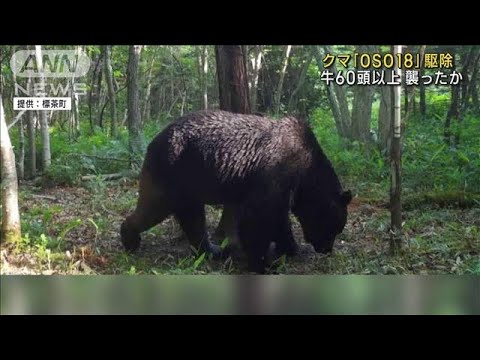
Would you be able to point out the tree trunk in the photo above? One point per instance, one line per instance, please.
(10, 215)
(204, 70)
(395, 161)
(147, 105)
(93, 92)
(74, 113)
(21, 136)
(173, 98)
(473, 87)
(409, 93)
(423, 105)
(199, 55)
(468, 63)
(453, 111)
(32, 149)
(468, 84)
(111, 90)
(232, 79)
(406, 90)
(385, 116)
(342, 100)
(1, 73)
(125, 118)
(292, 102)
(256, 67)
(336, 96)
(99, 92)
(405, 98)
(21, 133)
(184, 100)
(283, 70)
(21, 151)
(46, 157)
(362, 106)
(202, 62)
(362, 112)
(136, 140)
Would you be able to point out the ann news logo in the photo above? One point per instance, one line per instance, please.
(51, 64)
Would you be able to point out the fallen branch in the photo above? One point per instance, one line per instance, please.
(48, 197)
(109, 211)
(102, 177)
(99, 157)
(18, 117)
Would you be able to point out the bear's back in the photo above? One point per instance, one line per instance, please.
(235, 144)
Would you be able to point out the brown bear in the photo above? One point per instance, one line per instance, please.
(258, 168)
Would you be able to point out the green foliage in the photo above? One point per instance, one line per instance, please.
(61, 174)
(90, 154)
(429, 164)
(40, 230)
(359, 165)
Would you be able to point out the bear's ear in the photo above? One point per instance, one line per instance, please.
(346, 197)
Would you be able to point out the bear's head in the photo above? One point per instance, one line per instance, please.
(130, 237)
(322, 220)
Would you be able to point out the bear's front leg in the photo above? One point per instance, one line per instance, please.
(255, 229)
(285, 243)
(192, 221)
(228, 229)
(142, 219)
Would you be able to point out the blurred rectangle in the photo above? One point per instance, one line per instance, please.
(240, 294)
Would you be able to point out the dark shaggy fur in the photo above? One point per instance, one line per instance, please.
(251, 165)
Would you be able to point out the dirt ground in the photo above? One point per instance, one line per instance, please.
(92, 244)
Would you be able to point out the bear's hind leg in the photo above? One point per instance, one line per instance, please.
(152, 208)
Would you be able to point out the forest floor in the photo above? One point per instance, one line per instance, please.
(75, 230)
